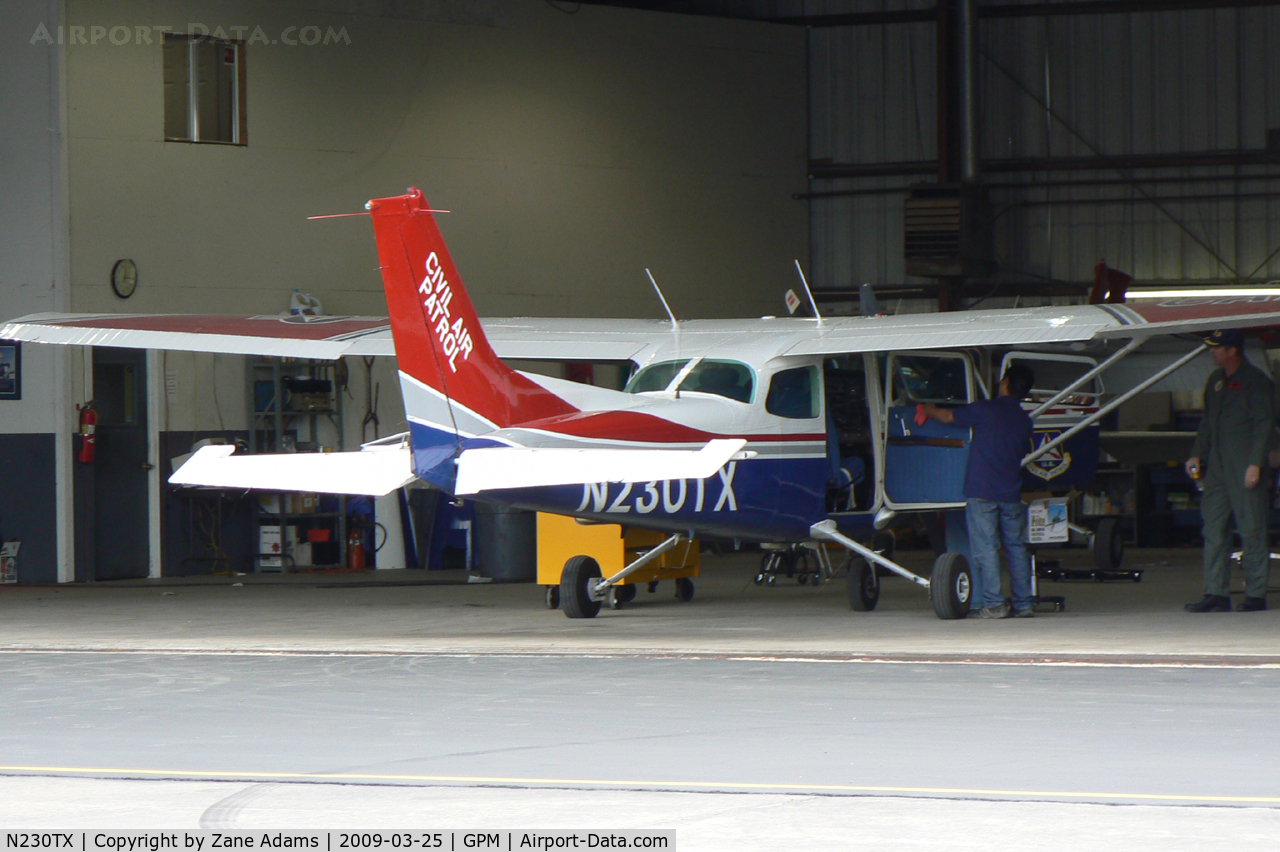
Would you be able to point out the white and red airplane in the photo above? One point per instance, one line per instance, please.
(774, 430)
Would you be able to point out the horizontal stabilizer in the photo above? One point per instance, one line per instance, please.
(500, 468)
(374, 471)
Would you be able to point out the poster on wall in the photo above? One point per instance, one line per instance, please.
(10, 371)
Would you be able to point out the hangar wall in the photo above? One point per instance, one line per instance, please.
(573, 149)
(1171, 82)
(34, 442)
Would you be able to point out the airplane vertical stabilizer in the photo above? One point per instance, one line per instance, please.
(452, 379)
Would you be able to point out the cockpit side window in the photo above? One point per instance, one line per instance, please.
(729, 379)
(722, 378)
(929, 378)
(793, 394)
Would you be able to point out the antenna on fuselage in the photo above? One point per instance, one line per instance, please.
(675, 326)
(808, 292)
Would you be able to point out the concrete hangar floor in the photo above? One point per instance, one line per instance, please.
(752, 717)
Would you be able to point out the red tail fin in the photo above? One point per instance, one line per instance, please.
(438, 338)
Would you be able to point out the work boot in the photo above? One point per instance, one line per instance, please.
(1211, 603)
(1001, 610)
(1252, 605)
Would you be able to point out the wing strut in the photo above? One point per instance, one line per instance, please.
(826, 531)
(1112, 405)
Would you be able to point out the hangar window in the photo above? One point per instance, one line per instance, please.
(204, 90)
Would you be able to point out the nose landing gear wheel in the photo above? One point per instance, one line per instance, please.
(951, 586)
(864, 588)
(575, 598)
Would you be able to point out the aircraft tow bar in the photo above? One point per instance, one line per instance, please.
(827, 530)
(600, 589)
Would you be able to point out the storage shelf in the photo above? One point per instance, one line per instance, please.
(274, 424)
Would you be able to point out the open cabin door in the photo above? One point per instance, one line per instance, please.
(924, 464)
(1074, 462)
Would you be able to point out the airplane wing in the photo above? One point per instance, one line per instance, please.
(374, 470)
(1053, 324)
(628, 339)
(323, 338)
(329, 338)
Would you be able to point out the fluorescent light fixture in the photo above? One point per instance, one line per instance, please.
(1203, 293)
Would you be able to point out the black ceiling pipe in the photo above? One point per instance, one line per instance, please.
(821, 170)
(1015, 10)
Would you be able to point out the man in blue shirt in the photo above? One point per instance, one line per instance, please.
(993, 489)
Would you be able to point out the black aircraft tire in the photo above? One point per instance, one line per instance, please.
(951, 586)
(575, 599)
(883, 543)
(553, 597)
(864, 588)
(1108, 545)
(684, 589)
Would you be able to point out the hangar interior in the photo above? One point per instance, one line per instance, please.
(578, 144)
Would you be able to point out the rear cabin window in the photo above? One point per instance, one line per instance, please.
(1052, 376)
(793, 394)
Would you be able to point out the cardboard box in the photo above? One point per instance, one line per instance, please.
(1047, 521)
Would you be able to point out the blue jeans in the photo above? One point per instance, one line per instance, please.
(991, 524)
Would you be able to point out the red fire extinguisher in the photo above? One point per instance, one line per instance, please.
(88, 425)
(355, 549)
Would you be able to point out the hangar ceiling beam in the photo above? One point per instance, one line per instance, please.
(1021, 10)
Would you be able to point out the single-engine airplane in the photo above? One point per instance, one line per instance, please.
(786, 431)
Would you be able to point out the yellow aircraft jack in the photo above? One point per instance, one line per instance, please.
(567, 548)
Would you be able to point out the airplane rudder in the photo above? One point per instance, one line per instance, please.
(429, 306)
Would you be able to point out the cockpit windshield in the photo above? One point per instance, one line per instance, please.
(729, 379)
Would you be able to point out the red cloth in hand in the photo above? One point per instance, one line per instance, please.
(920, 415)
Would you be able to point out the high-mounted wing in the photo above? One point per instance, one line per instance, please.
(324, 338)
(622, 339)
(328, 338)
(1024, 326)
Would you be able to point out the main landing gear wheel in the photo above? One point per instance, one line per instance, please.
(575, 596)
(619, 596)
(864, 588)
(1108, 545)
(951, 586)
(799, 563)
(553, 597)
(684, 589)
(884, 543)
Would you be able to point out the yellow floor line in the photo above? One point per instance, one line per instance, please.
(655, 786)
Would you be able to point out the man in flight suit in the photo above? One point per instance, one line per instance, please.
(1230, 453)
